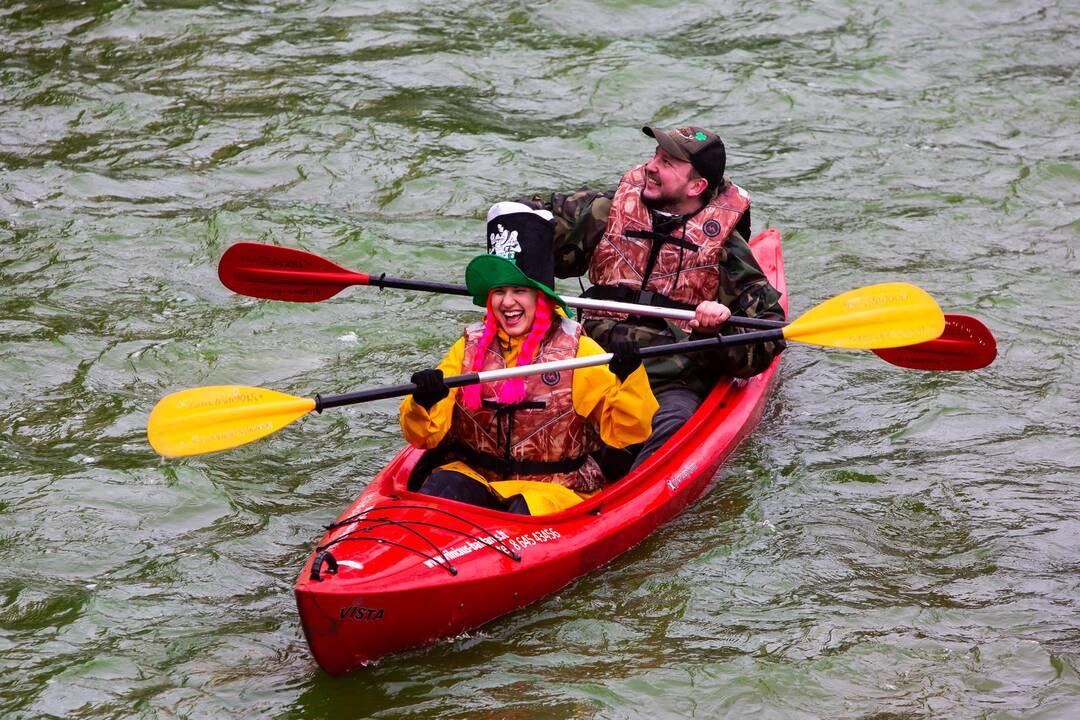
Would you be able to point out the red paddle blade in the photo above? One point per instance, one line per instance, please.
(966, 344)
(279, 273)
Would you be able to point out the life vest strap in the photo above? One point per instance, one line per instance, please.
(662, 238)
(513, 466)
(503, 408)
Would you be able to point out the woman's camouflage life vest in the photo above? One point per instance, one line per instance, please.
(515, 442)
(686, 270)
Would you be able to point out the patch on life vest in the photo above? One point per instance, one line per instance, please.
(550, 378)
(711, 228)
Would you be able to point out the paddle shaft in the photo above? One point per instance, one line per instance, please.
(191, 422)
(302, 277)
(322, 403)
(281, 276)
(278, 273)
(973, 348)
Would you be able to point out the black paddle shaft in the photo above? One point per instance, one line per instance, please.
(720, 340)
(382, 281)
(321, 403)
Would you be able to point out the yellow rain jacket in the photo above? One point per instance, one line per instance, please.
(620, 412)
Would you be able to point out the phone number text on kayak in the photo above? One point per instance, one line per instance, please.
(534, 538)
(498, 537)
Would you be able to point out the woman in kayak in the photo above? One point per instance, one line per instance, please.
(523, 445)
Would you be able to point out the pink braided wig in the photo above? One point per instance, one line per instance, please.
(512, 390)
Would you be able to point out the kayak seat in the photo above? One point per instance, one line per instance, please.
(427, 464)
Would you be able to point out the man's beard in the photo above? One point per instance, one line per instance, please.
(659, 205)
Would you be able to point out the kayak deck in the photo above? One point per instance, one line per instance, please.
(400, 569)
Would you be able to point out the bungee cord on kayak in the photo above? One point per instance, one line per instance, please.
(486, 537)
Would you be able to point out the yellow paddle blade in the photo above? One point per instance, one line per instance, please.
(202, 420)
(873, 317)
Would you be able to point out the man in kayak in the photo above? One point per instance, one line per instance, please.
(524, 444)
(673, 234)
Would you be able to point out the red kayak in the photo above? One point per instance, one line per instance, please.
(399, 569)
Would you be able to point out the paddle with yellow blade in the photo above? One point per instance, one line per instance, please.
(203, 420)
(280, 273)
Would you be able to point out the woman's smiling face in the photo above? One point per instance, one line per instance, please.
(514, 308)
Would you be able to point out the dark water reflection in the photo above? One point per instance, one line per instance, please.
(888, 543)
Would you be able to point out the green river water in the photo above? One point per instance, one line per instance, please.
(887, 544)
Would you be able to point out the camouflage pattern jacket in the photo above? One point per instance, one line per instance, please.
(582, 221)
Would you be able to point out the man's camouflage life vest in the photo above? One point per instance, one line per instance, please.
(541, 438)
(686, 270)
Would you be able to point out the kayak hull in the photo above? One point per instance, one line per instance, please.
(399, 569)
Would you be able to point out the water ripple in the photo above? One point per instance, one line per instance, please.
(889, 543)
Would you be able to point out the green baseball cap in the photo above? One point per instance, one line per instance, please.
(702, 148)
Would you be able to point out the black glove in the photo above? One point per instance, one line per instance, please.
(626, 358)
(430, 388)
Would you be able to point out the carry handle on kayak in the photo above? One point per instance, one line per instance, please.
(323, 556)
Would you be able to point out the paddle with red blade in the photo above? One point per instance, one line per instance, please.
(966, 344)
(279, 273)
